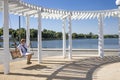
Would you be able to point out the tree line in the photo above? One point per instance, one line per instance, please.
(50, 34)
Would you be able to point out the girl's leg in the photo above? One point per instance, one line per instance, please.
(29, 59)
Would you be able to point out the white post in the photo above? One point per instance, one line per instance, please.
(6, 38)
(39, 38)
(28, 31)
(119, 35)
(70, 37)
(119, 30)
(118, 4)
(101, 37)
(64, 38)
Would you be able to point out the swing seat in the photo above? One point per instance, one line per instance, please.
(16, 54)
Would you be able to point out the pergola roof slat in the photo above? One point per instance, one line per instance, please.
(19, 7)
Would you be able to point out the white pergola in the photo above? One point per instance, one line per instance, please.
(18, 7)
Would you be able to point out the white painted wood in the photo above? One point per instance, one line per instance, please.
(39, 38)
(70, 37)
(19, 7)
(6, 38)
(64, 37)
(119, 31)
(101, 37)
(28, 32)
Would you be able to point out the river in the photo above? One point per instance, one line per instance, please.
(76, 43)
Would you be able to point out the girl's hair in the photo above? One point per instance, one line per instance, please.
(22, 40)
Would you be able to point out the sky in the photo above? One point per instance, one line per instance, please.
(78, 26)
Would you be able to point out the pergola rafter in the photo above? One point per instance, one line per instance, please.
(21, 8)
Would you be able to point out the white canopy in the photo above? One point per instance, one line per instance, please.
(19, 7)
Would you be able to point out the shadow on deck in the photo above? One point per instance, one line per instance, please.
(81, 69)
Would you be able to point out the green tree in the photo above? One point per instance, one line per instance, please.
(33, 33)
(21, 32)
(74, 35)
(81, 36)
(59, 35)
(48, 34)
(1, 31)
(12, 32)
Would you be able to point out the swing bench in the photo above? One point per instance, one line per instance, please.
(16, 53)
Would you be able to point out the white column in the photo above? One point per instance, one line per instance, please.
(39, 38)
(101, 37)
(119, 35)
(28, 31)
(70, 37)
(119, 30)
(64, 37)
(6, 38)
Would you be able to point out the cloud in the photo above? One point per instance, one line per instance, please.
(118, 2)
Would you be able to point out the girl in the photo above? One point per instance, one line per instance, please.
(24, 51)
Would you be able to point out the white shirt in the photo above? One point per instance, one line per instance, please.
(22, 48)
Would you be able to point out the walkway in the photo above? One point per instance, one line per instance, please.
(57, 68)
